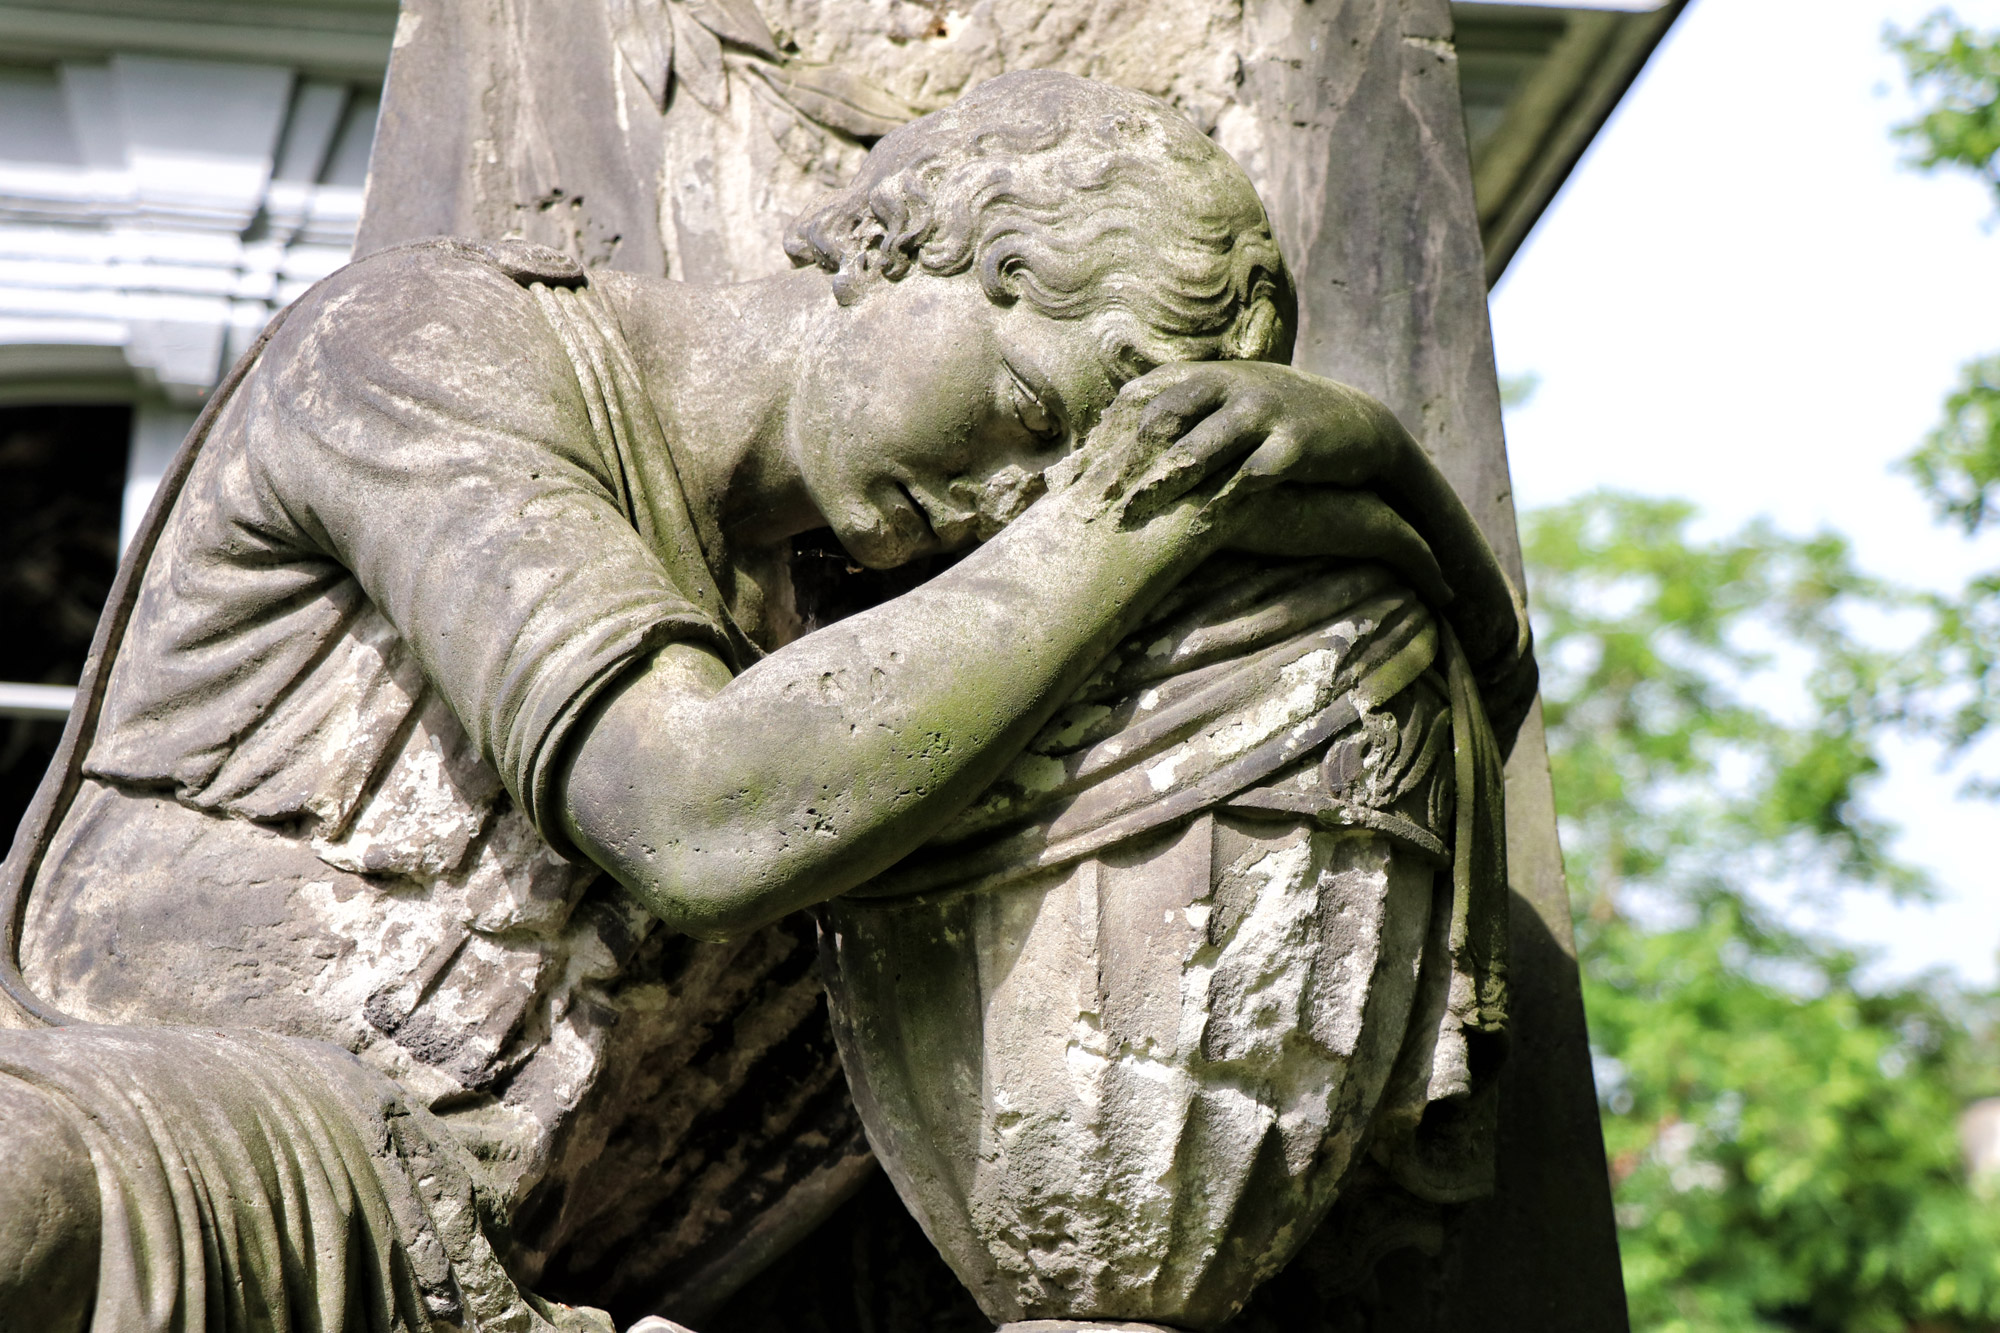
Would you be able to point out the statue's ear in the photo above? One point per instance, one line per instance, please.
(1258, 334)
(1283, 303)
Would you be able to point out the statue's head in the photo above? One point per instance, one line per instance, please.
(1077, 198)
(1037, 244)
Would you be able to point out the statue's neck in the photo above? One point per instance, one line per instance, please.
(720, 364)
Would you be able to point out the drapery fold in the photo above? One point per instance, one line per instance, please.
(251, 1183)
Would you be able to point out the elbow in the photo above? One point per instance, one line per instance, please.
(704, 920)
(697, 881)
(714, 897)
(719, 878)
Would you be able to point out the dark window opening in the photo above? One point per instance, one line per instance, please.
(62, 481)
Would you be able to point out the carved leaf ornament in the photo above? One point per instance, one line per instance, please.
(669, 40)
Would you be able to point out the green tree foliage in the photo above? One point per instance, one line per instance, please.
(1783, 1137)
(1958, 466)
(1954, 69)
(1675, 775)
(1782, 1133)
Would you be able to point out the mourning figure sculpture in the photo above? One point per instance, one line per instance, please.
(457, 667)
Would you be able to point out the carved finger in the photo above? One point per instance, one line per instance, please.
(1221, 437)
(1178, 406)
(1336, 443)
(1282, 455)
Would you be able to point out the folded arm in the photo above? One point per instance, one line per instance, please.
(724, 803)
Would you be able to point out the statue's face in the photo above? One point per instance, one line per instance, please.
(923, 392)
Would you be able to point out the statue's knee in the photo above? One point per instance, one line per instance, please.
(49, 1217)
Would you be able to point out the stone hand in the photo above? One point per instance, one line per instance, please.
(1302, 522)
(1245, 425)
(1282, 462)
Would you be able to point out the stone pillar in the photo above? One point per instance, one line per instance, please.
(1359, 149)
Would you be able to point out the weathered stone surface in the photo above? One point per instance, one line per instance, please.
(766, 107)
(736, 152)
(1373, 203)
(349, 867)
(161, 1178)
(1147, 1118)
(1120, 1063)
(1346, 116)
(1092, 535)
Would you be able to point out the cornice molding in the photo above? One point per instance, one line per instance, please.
(1543, 79)
(345, 40)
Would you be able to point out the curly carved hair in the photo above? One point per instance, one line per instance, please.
(1077, 197)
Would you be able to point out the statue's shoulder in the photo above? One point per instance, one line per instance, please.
(433, 309)
(522, 262)
(443, 278)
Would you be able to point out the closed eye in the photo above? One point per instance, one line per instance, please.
(1034, 415)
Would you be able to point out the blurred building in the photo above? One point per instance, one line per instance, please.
(171, 172)
(174, 171)
(1979, 1139)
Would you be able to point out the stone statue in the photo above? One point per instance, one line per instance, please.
(678, 138)
(455, 684)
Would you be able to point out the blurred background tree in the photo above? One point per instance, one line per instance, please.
(1783, 1132)
(1782, 1135)
(1955, 71)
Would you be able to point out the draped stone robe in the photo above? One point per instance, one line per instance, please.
(432, 522)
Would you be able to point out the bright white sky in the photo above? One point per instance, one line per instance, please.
(1741, 298)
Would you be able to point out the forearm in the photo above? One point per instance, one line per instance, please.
(830, 760)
